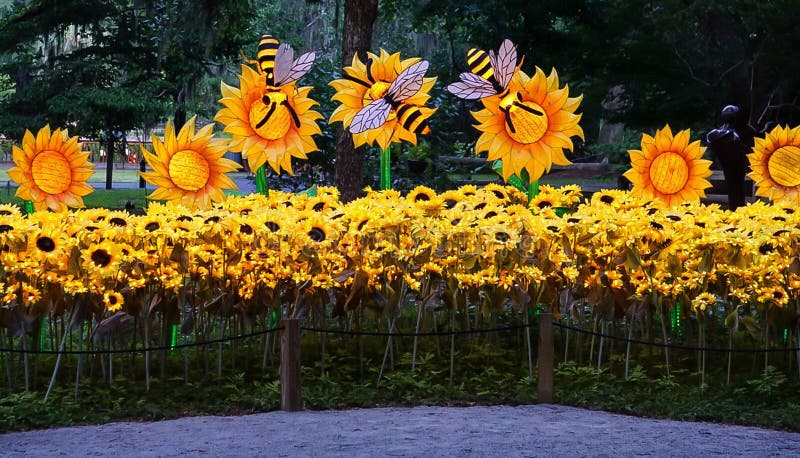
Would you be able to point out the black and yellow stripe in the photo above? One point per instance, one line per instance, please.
(412, 119)
(267, 50)
(479, 63)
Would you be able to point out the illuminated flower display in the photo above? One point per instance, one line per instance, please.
(775, 164)
(399, 112)
(189, 167)
(51, 170)
(268, 125)
(529, 125)
(669, 168)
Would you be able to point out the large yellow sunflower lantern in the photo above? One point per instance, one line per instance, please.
(51, 170)
(382, 102)
(669, 168)
(189, 168)
(775, 164)
(269, 118)
(526, 122)
(529, 125)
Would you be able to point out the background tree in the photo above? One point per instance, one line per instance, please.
(359, 19)
(79, 64)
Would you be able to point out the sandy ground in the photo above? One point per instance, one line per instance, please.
(538, 430)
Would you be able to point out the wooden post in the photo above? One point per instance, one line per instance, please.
(291, 400)
(545, 358)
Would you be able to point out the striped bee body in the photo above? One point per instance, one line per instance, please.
(267, 51)
(489, 73)
(406, 85)
(412, 119)
(276, 62)
(480, 63)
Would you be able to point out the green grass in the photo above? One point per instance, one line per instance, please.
(123, 176)
(115, 198)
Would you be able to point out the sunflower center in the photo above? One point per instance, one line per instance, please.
(526, 122)
(45, 244)
(377, 91)
(189, 170)
(51, 172)
(669, 173)
(270, 117)
(101, 258)
(782, 165)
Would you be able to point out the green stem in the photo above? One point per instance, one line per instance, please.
(29, 208)
(386, 166)
(261, 181)
(533, 189)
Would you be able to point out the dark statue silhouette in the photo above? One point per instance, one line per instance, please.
(730, 143)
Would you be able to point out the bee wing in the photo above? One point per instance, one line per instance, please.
(371, 116)
(471, 87)
(300, 67)
(505, 62)
(283, 62)
(408, 82)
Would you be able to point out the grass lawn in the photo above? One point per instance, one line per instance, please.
(124, 175)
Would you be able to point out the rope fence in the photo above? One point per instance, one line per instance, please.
(674, 346)
(142, 350)
(416, 334)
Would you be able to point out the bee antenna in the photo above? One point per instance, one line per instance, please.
(369, 70)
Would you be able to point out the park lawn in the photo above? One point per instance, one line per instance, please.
(114, 198)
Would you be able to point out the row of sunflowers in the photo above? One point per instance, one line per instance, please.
(474, 250)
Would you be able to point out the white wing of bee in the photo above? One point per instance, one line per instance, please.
(283, 62)
(504, 63)
(371, 116)
(408, 82)
(299, 67)
(471, 87)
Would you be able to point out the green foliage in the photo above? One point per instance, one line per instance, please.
(679, 398)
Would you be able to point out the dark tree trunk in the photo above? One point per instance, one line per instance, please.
(110, 159)
(180, 112)
(359, 19)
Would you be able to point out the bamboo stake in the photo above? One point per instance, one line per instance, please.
(219, 347)
(416, 339)
(664, 334)
(628, 349)
(80, 362)
(528, 345)
(600, 348)
(386, 352)
(25, 361)
(146, 325)
(7, 364)
(267, 323)
(452, 345)
(58, 360)
(110, 362)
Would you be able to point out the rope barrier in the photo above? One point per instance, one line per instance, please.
(141, 350)
(413, 334)
(678, 347)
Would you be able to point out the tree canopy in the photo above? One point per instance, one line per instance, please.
(98, 66)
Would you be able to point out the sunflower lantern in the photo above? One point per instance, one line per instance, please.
(51, 170)
(775, 164)
(669, 169)
(189, 168)
(526, 122)
(382, 102)
(269, 118)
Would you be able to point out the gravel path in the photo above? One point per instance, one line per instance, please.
(537, 430)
